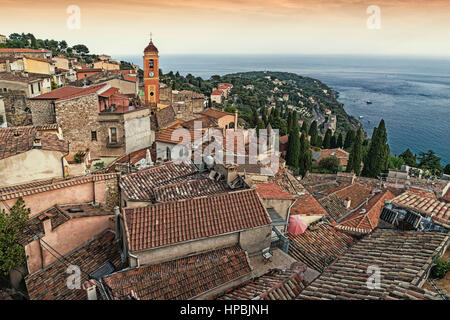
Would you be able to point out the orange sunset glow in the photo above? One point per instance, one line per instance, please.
(227, 27)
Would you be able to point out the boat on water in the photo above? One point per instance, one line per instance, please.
(361, 117)
(369, 102)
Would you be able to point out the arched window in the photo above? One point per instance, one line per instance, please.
(168, 155)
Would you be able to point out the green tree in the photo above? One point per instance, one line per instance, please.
(304, 127)
(314, 134)
(326, 144)
(409, 158)
(293, 148)
(81, 48)
(447, 169)
(305, 155)
(378, 155)
(395, 162)
(333, 143)
(355, 158)
(12, 254)
(429, 161)
(349, 139)
(340, 141)
(329, 163)
(54, 85)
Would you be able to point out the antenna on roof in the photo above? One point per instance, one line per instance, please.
(151, 37)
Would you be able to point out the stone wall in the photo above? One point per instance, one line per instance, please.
(41, 111)
(16, 110)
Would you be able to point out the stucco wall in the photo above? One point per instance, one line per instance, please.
(281, 206)
(255, 240)
(137, 134)
(159, 255)
(66, 238)
(104, 191)
(36, 164)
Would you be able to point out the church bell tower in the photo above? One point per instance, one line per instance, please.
(151, 74)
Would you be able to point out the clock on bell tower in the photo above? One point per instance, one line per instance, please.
(151, 74)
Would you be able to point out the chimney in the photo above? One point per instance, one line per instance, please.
(231, 173)
(47, 222)
(91, 289)
(347, 202)
(117, 222)
(37, 144)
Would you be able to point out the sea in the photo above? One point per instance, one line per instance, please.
(411, 94)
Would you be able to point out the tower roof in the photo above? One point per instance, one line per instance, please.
(151, 48)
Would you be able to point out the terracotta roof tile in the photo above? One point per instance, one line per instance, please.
(174, 222)
(401, 257)
(216, 114)
(319, 246)
(365, 219)
(16, 140)
(271, 190)
(140, 185)
(69, 92)
(202, 186)
(51, 283)
(439, 211)
(180, 279)
(307, 205)
(274, 285)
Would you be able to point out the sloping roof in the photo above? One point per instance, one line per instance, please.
(206, 122)
(365, 219)
(334, 202)
(16, 140)
(151, 48)
(319, 246)
(216, 114)
(187, 189)
(406, 291)
(23, 50)
(271, 190)
(439, 211)
(446, 197)
(169, 223)
(400, 257)
(51, 283)
(180, 279)
(140, 185)
(307, 205)
(12, 192)
(69, 92)
(342, 155)
(169, 136)
(274, 285)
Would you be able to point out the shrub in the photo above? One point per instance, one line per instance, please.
(78, 157)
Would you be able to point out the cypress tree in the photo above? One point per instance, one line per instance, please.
(349, 139)
(327, 140)
(314, 134)
(340, 141)
(333, 141)
(354, 161)
(378, 154)
(304, 127)
(305, 155)
(289, 121)
(293, 149)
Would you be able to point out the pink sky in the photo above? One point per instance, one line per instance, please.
(239, 27)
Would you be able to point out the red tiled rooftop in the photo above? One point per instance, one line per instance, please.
(271, 190)
(22, 50)
(439, 211)
(16, 140)
(69, 92)
(180, 279)
(274, 285)
(307, 205)
(217, 93)
(216, 114)
(140, 185)
(365, 219)
(176, 222)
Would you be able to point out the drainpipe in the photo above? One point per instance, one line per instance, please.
(289, 214)
(62, 159)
